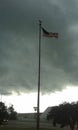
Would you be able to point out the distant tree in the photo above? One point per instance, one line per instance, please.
(3, 112)
(64, 114)
(12, 113)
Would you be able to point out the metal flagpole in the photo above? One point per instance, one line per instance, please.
(38, 98)
(39, 65)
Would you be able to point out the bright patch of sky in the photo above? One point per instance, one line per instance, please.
(25, 103)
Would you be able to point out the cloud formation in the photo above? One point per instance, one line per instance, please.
(19, 45)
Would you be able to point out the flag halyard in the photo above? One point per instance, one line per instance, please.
(49, 34)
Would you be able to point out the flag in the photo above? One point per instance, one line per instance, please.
(49, 34)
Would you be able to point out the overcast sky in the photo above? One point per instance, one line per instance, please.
(19, 30)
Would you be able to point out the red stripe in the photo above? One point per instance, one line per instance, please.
(51, 35)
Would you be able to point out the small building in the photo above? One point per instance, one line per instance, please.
(43, 116)
(24, 116)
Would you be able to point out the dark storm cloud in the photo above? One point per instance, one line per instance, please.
(19, 45)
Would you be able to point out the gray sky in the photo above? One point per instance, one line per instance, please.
(19, 45)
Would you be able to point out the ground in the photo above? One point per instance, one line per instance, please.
(30, 125)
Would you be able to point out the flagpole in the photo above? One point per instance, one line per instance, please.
(39, 63)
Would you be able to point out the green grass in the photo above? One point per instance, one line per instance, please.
(24, 129)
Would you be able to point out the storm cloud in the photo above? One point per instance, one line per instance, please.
(19, 45)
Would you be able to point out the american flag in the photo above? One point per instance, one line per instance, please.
(49, 34)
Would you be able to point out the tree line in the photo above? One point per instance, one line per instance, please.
(7, 113)
(64, 114)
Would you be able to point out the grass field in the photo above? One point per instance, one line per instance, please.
(24, 129)
(30, 125)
